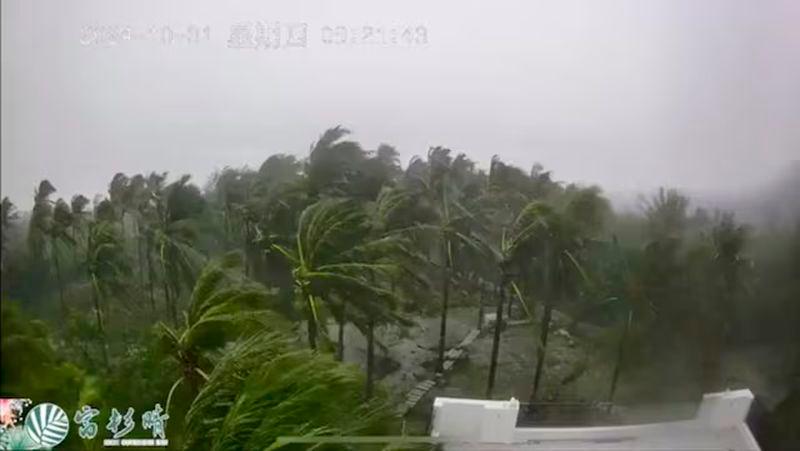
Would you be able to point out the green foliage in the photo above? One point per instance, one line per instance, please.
(262, 390)
(32, 367)
(347, 234)
(326, 262)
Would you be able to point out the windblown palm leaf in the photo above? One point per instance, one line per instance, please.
(225, 306)
(327, 262)
(262, 389)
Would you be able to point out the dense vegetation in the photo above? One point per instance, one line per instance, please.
(215, 302)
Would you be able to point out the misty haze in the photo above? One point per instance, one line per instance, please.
(326, 216)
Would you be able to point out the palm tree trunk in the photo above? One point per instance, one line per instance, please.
(99, 317)
(226, 226)
(75, 247)
(620, 356)
(139, 252)
(340, 343)
(311, 323)
(481, 312)
(510, 302)
(122, 225)
(545, 324)
(246, 248)
(445, 299)
(542, 350)
(312, 334)
(60, 282)
(370, 358)
(498, 325)
(150, 275)
(169, 303)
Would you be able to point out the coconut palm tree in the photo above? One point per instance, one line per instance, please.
(149, 221)
(334, 164)
(386, 245)
(224, 306)
(263, 388)
(556, 241)
(41, 221)
(323, 270)
(78, 205)
(106, 264)
(134, 199)
(117, 193)
(174, 231)
(59, 235)
(8, 216)
(507, 240)
(666, 214)
(440, 184)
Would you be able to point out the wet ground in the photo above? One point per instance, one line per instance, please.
(577, 374)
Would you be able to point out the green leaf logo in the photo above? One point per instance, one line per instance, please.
(47, 424)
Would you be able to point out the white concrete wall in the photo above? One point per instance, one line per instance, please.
(718, 424)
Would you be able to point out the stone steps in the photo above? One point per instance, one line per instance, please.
(450, 358)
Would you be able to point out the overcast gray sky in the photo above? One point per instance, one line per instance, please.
(632, 94)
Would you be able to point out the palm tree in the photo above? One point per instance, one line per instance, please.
(232, 187)
(718, 308)
(106, 264)
(333, 164)
(629, 295)
(78, 205)
(40, 222)
(555, 240)
(135, 199)
(440, 184)
(7, 217)
(263, 389)
(386, 245)
(117, 189)
(58, 234)
(174, 232)
(224, 306)
(666, 214)
(149, 221)
(514, 227)
(322, 269)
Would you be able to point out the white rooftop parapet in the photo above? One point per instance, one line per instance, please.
(475, 420)
(725, 409)
(718, 424)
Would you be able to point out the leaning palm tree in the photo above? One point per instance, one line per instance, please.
(333, 164)
(106, 264)
(149, 220)
(322, 270)
(440, 185)
(225, 306)
(59, 235)
(40, 222)
(507, 251)
(78, 205)
(8, 216)
(555, 240)
(263, 389)
(384, 245)
(174, 233)
(117, 189)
